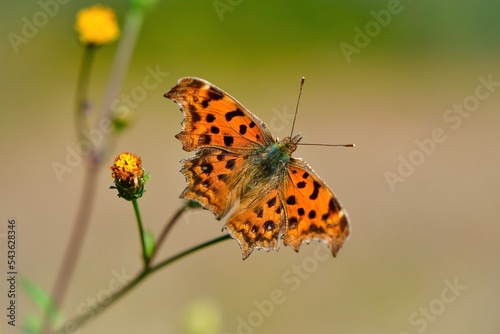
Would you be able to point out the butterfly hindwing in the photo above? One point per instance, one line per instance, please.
(214, 118)
(211, 179)
(258, 224)
(313, 211)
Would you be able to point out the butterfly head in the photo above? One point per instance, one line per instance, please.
(289, 144)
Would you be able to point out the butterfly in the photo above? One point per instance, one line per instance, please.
(236, 158)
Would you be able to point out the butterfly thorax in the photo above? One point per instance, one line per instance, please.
(271, 160)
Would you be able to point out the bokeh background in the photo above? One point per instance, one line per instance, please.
(409, 242)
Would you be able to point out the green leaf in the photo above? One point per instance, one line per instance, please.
(32, 323)
(43, 301)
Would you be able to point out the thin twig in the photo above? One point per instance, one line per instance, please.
(132, 26)
(168, 227)
(77, 236)
(72, 325)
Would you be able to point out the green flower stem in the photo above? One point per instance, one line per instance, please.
(145, 257)
(82, 102)
(72, 325)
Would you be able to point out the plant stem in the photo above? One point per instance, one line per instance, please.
(82, 103)
(72, 325)
(145, 257)
(168, 227)
(132, 26)
(189, 251)
(77, 236)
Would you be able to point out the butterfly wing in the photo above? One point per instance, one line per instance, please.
(214, 118)
(258, 223)
(312, 210)
(212, 175)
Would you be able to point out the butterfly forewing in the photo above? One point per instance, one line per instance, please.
(214, 118)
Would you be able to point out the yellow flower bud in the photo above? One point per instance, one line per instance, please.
(129, 176)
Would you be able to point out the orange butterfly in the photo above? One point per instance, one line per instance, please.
(237, 158)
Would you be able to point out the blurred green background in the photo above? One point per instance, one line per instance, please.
(409, 242)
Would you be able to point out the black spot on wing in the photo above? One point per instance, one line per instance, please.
(230, 163)
(214, 94)
(223, 177)
(204, 139)
(343, 223)
(269, 225)
(315, 192)
(271, 202)
(333, 206)
(195, 117)
(228, 140)
(207, 167)
(313, 228)
(196, 84)
(230, 115)
(210, 118)
(259, 211)
(292, 222)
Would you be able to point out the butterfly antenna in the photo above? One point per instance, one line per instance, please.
(343, 145)
(295, 117)
(297, 107)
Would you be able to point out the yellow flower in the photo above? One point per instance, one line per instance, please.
(97, 25)
(129, 176)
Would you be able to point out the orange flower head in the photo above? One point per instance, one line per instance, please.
(129, 176)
